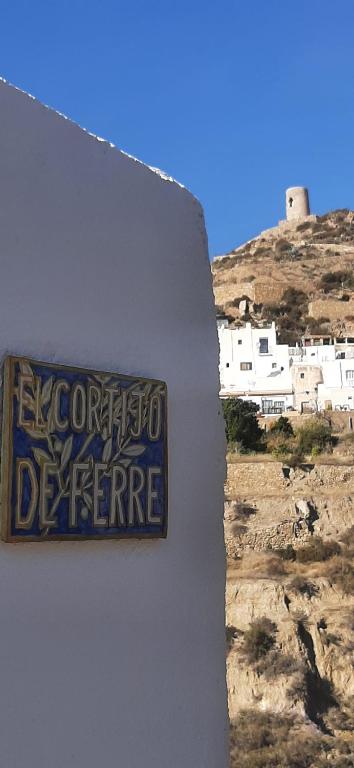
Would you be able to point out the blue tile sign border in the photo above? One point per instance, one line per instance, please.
(84, 454)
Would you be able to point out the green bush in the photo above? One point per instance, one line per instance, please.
(278, 444)
(241, 423)
(259, 639)
(282, 426)
(314, 434)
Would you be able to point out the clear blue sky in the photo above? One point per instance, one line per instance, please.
(237, 99)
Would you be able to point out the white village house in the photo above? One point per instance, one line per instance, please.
(316, 375)
(254, 367)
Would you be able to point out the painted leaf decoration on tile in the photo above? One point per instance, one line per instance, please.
(47, 391)
(41, 456)
(66, 452)
(134, 450)
(88, 500)
(107, 451)
(25, 368)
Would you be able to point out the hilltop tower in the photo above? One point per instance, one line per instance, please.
(297, 203)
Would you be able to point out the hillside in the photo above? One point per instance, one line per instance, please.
(290, 613)
(300, 274)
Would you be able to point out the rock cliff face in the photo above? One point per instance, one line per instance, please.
(314, 255)
(290, 543)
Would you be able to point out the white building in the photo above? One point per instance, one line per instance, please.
(254, 367)
(337, 390)
(314, 355)
(323, 373)
(316, 375)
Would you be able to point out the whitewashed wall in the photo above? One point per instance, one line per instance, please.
(270, 372)
(112, 653)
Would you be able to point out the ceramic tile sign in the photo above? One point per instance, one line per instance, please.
(84, 454)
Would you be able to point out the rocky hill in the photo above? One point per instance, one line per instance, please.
(300, 274)
(289, 530)
(290, 613)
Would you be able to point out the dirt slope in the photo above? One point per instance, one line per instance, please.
(290, 544)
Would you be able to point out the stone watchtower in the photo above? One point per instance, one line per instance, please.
(297, 203)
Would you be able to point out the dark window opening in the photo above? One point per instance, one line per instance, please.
(290, 202)
(245, 366)
(272, 406)
(263, 346)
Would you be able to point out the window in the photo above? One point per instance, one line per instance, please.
(263, 346)
(302, 375)
(274, 365)
(239, 341)
(270, 406)
(290, 202)
(227, 365)
(245, 366)
(349, 375)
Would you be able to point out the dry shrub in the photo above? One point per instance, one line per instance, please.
(297, 689)
(315, 433)
(317, 551)
(258, 639)
(231, 633)
(340, 571)
(243, 511)
(274, 664)
(260, 565)
(286, 553)
(279, 445)
(341, 718)
(348, 536)
(222, 263)
(237, 529)
(270, 740)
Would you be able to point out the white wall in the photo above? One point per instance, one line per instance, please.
(337, 386)
(270, 372)
(112, 653)
(340, 398)
(317, 354)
